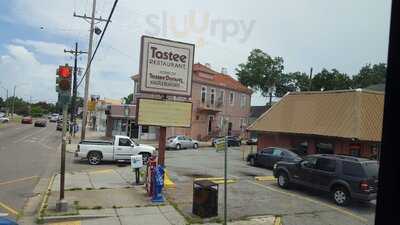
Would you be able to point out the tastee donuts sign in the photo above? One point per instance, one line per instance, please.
(166, 66)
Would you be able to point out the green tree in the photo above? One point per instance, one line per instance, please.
(261, 72)
(128, 99)
(331, 80)
(289, 82)
(37, 111)
(369, 75)
(20, 106)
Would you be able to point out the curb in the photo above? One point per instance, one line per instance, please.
(45, 197)
(75, 217)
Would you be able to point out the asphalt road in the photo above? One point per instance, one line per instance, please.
(26, 154)
(249, 197)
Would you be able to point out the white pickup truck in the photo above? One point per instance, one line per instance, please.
(121, 148)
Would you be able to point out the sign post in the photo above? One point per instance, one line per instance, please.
(165, 69)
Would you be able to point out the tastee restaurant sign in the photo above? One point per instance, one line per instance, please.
(166, 66)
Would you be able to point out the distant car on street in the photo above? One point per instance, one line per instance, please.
(252, 141)
(268, 157)
(232, 141)
(54, 117)
(345, 177)
(4, 120)
(40, 123)
(26, 120)
(180, 142)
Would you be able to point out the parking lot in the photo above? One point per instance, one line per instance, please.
(249, 197)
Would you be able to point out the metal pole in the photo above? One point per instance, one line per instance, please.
(310, 87)
(12, 109)
(225, 180)
(63, 148)
(73, 100)
(85, 99)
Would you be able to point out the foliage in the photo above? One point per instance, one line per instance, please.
(331, 80)
(290, 82)
(128, 99)
(261, 71)
(370, 75)
(37, 111)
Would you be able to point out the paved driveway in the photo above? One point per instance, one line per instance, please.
(248, 197)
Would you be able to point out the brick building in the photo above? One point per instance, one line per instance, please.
(345, 122)
(221, 105)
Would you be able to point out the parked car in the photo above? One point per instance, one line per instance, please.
(54, 117)
(4, 120)
(121, 148)
(232, 141)
(27, 120)
(40, 123)
(345, 177)
(180, 141)
(252, 141)
(268, 157)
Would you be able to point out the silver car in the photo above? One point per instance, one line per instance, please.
(179, 142)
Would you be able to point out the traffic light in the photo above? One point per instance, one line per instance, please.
(63, 81)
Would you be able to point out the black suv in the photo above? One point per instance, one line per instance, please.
(345, 177)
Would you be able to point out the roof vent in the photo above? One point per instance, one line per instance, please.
(224, 70)
(208, 65)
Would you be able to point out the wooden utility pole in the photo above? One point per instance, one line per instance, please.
(310, 86)
(87, 78)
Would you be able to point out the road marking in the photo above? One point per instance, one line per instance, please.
(78, 222)
(8, 208)
(168, 183)
(265, 178)
(18, 180)
(362, 219)
(101, 171)
(278, 220)
(217, 180)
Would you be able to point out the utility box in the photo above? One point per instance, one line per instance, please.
(205, 198)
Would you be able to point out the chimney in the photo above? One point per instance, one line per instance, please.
(208, 65)
(224, 70)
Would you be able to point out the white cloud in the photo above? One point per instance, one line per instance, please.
(20, 67)
(47, 48)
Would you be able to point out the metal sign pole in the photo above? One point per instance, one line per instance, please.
(225, 179)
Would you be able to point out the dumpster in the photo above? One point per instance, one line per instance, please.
(205, 198)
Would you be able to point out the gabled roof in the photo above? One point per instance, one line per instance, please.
(348, 114)
(217, 79)
(205, 75)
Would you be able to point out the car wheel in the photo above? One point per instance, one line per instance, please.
(94, 158)
(283, 180)
(252, 161)
(341, 196)
(195, 146)
(178, 147)
(145, 157)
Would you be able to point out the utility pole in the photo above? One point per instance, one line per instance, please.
(310, 86)
(12, 107)
(87, 78)
(74, 86)
(7, 105)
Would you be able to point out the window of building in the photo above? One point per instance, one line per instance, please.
(212, 97)
(220, 100)
(242, 124)
(203, 94)
(231, 98)
(242, 100)
(145, 129)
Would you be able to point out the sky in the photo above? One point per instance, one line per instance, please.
(306, 33)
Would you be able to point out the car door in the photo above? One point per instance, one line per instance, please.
(188, 142)
(124, 149)
(324, 173)
(181, 141)
(263, 158)
(276, 156)
(304, 173)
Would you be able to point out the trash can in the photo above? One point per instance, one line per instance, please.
(205, 198)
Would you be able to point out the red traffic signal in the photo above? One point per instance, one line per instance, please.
(65, 71)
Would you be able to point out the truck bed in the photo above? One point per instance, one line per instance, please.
(96, 142)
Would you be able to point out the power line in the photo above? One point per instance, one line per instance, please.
(98, 43)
